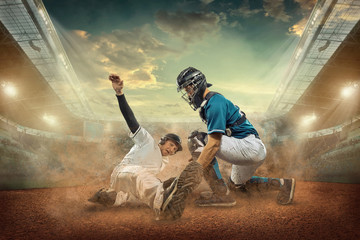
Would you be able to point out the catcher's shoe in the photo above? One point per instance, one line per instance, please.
(237, 187)
(215, 200)
(174, 196)
(104, 197)
(286, 193)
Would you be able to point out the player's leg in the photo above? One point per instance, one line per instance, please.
(174, 196)
(213, 177)
(220, 195)
(104, 196)
(247, 155)
(244, 152)
(140, 183)
(131, 184)
(285, 186)
(118, 185)
(148, 189)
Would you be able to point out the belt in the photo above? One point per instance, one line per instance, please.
(238, 122)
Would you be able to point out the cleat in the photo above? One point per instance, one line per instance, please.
(96, 197)
(174, 197)
(104, 197)
(216, 200)
(286, 193)
(237, 187)
(168, 194)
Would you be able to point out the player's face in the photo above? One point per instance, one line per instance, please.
(168, 148)
(189, 90)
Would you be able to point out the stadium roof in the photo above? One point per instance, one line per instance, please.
(34, 101)
(29, 24)
(326, 60)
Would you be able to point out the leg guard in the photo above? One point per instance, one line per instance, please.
(264, 183)
(213, 177)
(196, 142)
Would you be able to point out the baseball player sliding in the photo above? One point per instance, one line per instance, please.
(134, 179)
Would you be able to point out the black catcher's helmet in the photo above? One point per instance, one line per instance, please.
(192, 77)
(174, 137)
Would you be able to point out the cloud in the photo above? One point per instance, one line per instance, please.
(82, 34)
(298, 28)
(206, 2)
(132, 54)
(141, 75)
(232, 23)
(189, 26)
(175, 105)
(306, 7)
(131, 49)
(276, 9)
(244, 10)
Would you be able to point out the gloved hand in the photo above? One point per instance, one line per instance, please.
(196, 142)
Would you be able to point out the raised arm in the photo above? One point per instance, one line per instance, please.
(125, 109)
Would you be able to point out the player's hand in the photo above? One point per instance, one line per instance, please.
(117, 83)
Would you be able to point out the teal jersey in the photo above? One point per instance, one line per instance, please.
(221, 113)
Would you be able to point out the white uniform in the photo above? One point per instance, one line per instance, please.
(134, 179)
(246, 155)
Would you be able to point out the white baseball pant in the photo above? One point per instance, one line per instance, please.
(245, 154)
(136, 184)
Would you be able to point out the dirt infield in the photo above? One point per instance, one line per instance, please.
(319, 211)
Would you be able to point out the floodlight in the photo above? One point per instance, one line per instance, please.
(9, 89)
(347, 91)
(49, 119)
(309, 119)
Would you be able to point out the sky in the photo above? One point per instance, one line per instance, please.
(242, 47)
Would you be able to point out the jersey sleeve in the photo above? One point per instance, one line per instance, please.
(216, 115)
(141, 137)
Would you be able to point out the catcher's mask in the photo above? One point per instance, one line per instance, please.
(197, 81)
(174, 137)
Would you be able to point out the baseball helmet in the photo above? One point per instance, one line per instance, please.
(174, 137)
(195, 78)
